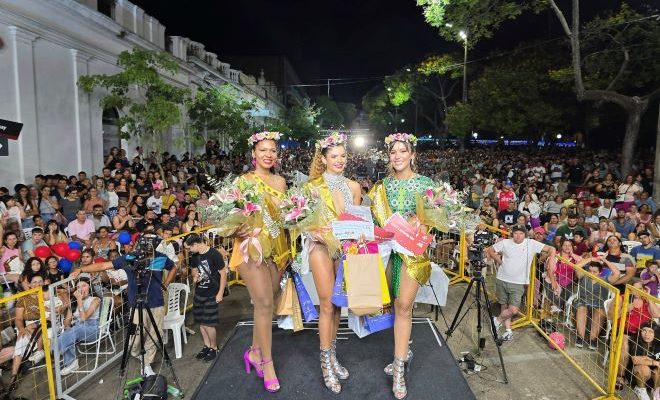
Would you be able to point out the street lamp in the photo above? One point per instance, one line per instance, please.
(559, 136)
(464, 36)
(403, 120)
(475, 135)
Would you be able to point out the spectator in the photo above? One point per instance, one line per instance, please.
(53, 273)
(9, 250)
(29, 245)
(606, 210)
(559, 278)
(650, 277)
(623, 262)
(505, 197)
(600, 236)
(102, 245)
(98, 218)
(47, 204)
(645, 199)
(122, 221)
(553, 206)
(210, 277)
(27, 204)
(627, 192)
(70, 204)
(112, 199)
(645, 252)
(514, 257)
(154, 298)
(155, 202)
(568, 230)
(190, 223)
(33, 266)
(591, 297)
(149, 220)
(14, 211)
(81, 229)
(580, 245)
(79, 326)
(606, 190)
(590, 218)
(27, 321)
(645, 355)
(531, 210)
(623, 225)
(53, 234)
(509, 215)
(551, 228)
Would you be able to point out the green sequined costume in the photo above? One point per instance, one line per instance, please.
(399, 196)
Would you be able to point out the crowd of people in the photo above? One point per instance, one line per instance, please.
(577, 204)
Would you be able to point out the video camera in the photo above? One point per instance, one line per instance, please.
(143, 255)
(482, 239)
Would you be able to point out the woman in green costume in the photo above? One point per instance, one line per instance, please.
(397, 193)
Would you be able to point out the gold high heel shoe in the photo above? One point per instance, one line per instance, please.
(342, 373)
(329, 376)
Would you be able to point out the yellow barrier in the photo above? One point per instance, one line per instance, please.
(35, 392)
(591, 357)
(622, 365)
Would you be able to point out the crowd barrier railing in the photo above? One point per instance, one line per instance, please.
(34, 378)
(579, 320)
(634, 365)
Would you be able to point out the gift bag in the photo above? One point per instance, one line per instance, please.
(306, 305)
(339, 297)
(363, 283)
(356, 324)
(379, 322)
(285, 302)
(296, 311)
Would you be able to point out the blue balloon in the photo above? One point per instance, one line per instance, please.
(65, 265)
(124, 237)
(74, 245)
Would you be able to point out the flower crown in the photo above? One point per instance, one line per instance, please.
(334, 139)
(401, 137)
(258, 137)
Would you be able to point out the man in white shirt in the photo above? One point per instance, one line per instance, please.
(155, 202)
(607, 210)
(590, 218)
(514, 257)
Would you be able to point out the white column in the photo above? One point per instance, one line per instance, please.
(139, 21)
(119, 12)
(81, 110)
(22, 45)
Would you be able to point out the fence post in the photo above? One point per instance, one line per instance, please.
(46, 343)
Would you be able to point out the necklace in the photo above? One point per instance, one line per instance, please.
(338, 182)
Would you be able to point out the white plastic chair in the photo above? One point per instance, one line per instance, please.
(105, 321)
(607, 303)
(567, 311)
(27, 232)
(630, 244)
(175, 318)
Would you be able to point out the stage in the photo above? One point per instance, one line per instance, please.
(434, 374)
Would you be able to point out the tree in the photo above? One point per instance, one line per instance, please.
(516, 96)
(219, 110)
(377, 106)
(617, 68)
(155, 107)
(330, 115)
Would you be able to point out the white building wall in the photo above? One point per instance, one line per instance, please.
(48, 46)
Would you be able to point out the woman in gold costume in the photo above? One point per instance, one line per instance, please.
(262, 279)
(337, 192)
(397, 193)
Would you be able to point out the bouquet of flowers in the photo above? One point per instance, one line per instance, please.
(442, 207)
(235, 204)
(303, 211)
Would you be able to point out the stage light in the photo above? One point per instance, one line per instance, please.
(359, 141)
(559, 136)
(475, 135)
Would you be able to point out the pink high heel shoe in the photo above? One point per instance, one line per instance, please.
(270, 382)
(257, 365)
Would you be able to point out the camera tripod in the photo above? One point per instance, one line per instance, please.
(140, 306)
(479, 283)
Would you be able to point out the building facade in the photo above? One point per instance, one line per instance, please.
(45, 46)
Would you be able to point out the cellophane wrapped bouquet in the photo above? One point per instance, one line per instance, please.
(442, 207)
(303, 211)
(235, 203)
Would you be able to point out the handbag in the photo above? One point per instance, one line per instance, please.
(285, 301)
(306, 305)
(379, 322)
(621, 197)
(339, 296)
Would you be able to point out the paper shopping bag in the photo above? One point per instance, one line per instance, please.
(339, 297)
(306, 305)
(285, 302)
(356, 324)
(379, 322)
(297, 313)
(363, 283)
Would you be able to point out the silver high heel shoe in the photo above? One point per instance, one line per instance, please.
(342, 373)
(388, 369)
(329, 376)
(398, 378)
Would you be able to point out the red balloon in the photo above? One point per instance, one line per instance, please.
(42, 251)
(99, 260)
(72, 255)
(61, 249)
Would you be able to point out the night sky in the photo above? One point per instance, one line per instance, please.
(331, 39)
(336, 38)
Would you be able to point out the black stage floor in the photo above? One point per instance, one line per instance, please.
(434, 373)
